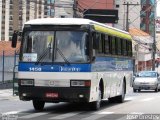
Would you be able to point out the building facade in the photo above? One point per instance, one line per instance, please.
(133, 12)
(82, 5)
(14, 13)
(147, 16)
(4, 19)
(64, 8)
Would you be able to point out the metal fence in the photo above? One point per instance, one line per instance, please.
(8, 59)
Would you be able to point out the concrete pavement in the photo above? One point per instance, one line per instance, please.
(7, 94)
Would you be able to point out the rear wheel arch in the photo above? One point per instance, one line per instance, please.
(124, 81)
(101, 85)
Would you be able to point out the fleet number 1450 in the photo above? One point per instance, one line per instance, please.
(35, 69)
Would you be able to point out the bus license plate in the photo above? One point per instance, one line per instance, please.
(52, 95)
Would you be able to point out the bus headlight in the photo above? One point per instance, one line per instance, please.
(28, 82)
(81, 83)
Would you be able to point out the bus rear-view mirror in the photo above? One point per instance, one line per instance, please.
(14, 39)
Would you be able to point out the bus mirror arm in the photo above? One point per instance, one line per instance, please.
(14, 39)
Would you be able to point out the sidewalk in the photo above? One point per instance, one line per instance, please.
(7, 94)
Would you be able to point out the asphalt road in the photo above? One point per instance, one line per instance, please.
(143, 106)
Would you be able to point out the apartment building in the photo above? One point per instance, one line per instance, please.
(4, 18)
(14, 13)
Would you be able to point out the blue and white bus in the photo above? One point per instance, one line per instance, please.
(73, 60)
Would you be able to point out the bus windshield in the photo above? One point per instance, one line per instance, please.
(55, 46)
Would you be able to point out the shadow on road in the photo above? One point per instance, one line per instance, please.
(73, 107)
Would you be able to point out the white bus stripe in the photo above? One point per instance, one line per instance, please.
(33, 115)
(67, 115)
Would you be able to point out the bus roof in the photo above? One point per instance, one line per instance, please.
(70, 21)
(59, 21)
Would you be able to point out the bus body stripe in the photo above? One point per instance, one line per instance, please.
(112, 32)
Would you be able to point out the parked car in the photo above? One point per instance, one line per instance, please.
(146, 80)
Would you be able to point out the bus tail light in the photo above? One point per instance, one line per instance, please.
(81, 83)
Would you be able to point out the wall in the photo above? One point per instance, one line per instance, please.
(133, 15)
(64, 8)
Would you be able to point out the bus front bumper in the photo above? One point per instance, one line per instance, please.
(54, 94)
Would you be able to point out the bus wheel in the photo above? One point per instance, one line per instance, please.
(120, 98)
(38, 105)
(112, 100)
(97, 104)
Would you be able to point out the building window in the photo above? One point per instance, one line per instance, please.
(10, 28)
(11, 6)
(50, 1)
(11, 1)
(3, 12)
(117, 6)
(11, 12)
(27, 18)
(3, 6)
(10, 17)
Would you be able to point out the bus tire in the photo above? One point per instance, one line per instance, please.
(112, 100)
(38, 105)
(97, 104)
(120, 98)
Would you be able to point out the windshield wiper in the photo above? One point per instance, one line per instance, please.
(62, 55)
(42, 56)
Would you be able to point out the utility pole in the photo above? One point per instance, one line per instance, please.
(127, 13)
(154, 39)
(154, 47)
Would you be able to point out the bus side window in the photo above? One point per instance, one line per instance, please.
(103, 43)
(106, 47)
(119, 46)
(124, 47)
(113, 46)
(129, 48)
(110, 44)
(95, 40)
(99, 37)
